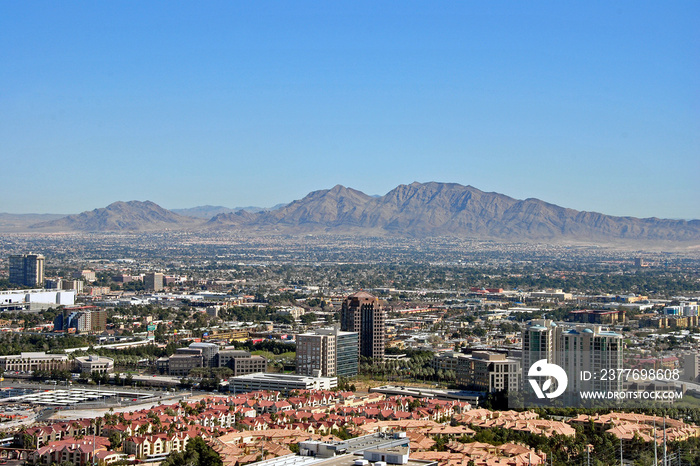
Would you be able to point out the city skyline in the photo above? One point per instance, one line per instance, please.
(591, 107)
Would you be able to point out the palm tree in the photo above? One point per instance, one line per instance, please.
(143, 429)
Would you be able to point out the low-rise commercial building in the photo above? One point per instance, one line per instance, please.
(185, 359)
(181, 363)
(280, 382)
(34, 362)
(552, 295)
(241, 362)
(599, 316)
(35, 299)
(90, 364)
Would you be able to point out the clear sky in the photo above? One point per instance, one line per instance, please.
(589, 105)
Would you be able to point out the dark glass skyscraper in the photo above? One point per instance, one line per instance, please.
(348, 349)
(27, 270)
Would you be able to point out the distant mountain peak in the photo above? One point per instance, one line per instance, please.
(416, 210)
(120, 216)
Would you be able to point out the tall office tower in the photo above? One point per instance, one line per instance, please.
(362, 313)
(153, 281)
(27, 270)
(99, 320)
(327, 353)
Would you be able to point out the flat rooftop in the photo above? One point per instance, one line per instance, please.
(349, 459)
(277, 377)
(370, 442)
(342, 460)
(72, 396)
(420, 392)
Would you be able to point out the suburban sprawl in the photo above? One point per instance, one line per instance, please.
(210, 348)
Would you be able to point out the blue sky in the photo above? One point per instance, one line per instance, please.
(589, 105)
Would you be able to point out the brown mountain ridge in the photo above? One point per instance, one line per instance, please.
(121, 216)
(415, 210)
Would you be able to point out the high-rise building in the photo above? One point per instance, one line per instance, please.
(27, 270)
(316, 355)
(53, 283)
(364, 314)
(590, 348)
(327, 353)
(347, 358)
(76, 285)
(153, 281)
(539, 342)
(691, 366)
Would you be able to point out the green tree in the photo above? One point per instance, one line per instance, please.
(115, 441)
(197, 453)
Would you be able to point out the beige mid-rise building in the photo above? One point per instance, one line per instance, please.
(316, 355)
(490, 372)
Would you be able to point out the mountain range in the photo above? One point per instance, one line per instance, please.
(415, 210)
(208, 211)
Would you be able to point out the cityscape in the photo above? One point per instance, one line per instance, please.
(361, 233)
(284, 346)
